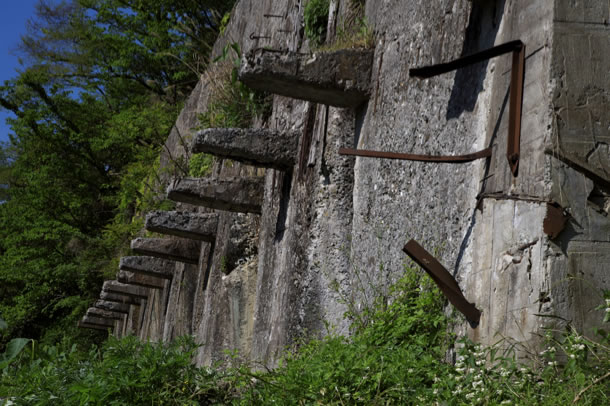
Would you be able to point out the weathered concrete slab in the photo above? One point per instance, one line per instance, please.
(104, 314)
(125, 289)
(155, 267)
(258, 147)
(180, 250)
(98, 321)
(195, 226)
(138, 279)
(242, 195)
(81, 324)
(340, 78)
(112, 306)
(119, 298)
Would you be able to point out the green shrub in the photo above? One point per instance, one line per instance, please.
(200, 165)
(316, 21)
(232, 104)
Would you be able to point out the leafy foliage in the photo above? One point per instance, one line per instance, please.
(121, 372)
(232, 104)
(316, 21)
(101, 86)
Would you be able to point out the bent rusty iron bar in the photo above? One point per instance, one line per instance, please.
(440, 68)
(516, 89)
(452, 159)
(514, 109)
(446, 283)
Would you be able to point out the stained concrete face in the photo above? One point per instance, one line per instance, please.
(258, 147)
(98, 321)
(150, 266)
(241, 195)
(340, 78)
(177, 249)
(201, 227)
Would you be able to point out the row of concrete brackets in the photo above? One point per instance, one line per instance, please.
(444, 280)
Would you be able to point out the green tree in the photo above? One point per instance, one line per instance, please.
(101, 86)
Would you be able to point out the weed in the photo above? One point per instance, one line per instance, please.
(316, 21)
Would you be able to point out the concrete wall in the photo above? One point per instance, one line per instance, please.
(332, 229)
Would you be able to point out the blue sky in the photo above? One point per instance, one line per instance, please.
(13, 17)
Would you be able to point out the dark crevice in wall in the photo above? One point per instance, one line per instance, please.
(282, 217)
(485, 18)
(208, 267)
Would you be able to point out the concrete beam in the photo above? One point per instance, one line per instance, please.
(112, 306)
(242, 195)
(98, 321)
(81, 324)
(196, 226)
(104, 314)
(257, 147)
(138, 279)
(181, 250)
(119, 298)
(125, 289)
(341, 78)
(150, 266)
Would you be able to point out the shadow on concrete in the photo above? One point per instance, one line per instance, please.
(480, 34)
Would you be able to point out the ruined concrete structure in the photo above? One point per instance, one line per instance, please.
(286, 232)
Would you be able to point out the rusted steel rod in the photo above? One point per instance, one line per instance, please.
(516, 89)
(452, 159)
(440, 68)
(446, 283)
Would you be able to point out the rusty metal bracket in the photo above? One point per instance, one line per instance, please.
(446, 283)
(452, 159)
(516, 89)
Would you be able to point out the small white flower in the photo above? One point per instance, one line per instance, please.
(435, 391)
(469, 395)
(523, 370)
(457, 391)
(480, 362)
(505, 402)
(460, 370)
(504, 373)
(572, 356)
(552, 363)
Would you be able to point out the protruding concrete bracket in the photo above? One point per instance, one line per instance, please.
(180, 250)
(149, 266)
(104, 314)
(112, 306)
(195, 226)
(82, 324)
(138, 279)
(258, 147)
(242, 195)
(98, 321)
(125, 290)
(341, 78)
(119, 298)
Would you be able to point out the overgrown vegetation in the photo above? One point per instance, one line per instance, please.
(352, 29)
(101, 85)
(396, 357)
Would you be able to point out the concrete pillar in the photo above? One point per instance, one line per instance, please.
(178, 249)
(195, 226)
(258, 147)
(340, 78)
(242, 195)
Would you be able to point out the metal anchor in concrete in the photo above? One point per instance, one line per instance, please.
(516, 88)
(446, 283)
(242, 195)
(258, 147)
